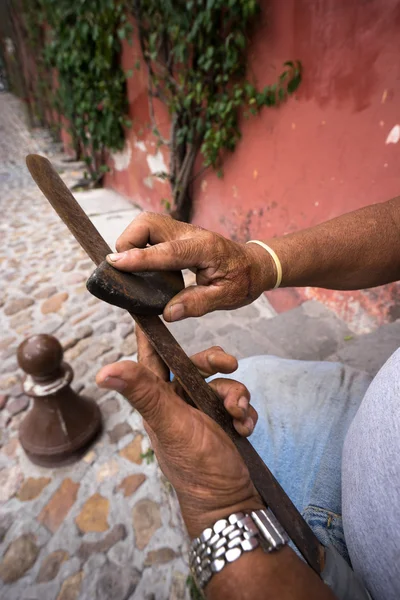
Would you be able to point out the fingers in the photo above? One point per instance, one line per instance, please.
(151, 228)
(214, 360)
(236, 398)
(246, 427)
(194, 301)
(149, 358)
(166, 256)
(154, 399)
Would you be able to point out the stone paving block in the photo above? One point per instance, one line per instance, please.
(130, 484)
(159, 557)
(116, 534)
(195, 335)
(308, 332)
(54, 303)
(235, 331)
(6, 520)
(71, 587)
(54, 513)
(369, 352)
(111, 582)
(133, 451)
(94, 514)
(243, 342)
(15, 305)
(146, 520)
(10, 482)
(119, 431)
(32, 488)
(51, 565)
(19, 558)
(3, 401)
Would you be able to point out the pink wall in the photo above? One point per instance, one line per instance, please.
(323, 153)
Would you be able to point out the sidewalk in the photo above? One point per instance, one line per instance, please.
(108, 526)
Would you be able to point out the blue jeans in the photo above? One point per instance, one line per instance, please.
(305, 410)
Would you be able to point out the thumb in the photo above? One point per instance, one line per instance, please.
(194, 301)
(154, 399)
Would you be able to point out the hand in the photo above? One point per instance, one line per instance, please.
(228, 274)
(235, 395)
(201, 462)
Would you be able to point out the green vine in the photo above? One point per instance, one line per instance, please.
(83, 47)
(195, 53)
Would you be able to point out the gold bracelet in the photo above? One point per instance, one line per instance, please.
(274, 257)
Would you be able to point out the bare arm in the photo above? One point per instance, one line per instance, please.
(357, 250)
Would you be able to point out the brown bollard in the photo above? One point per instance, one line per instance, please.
(61, 424)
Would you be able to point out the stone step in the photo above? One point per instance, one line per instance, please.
(370, 351)
(308, 332)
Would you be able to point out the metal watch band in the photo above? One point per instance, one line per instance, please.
(228, 538)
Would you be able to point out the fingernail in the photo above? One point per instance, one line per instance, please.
(176, 312)
(243, 402)
(249, 424)
(113, 383)
(116, 256)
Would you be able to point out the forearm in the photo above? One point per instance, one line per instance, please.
(279, 575)
(258, 575)
(357, 250)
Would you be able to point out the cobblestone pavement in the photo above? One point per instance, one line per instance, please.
(107, 527)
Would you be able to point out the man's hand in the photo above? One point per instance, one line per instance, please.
(201, 462)
(235, 395)
(228, 275)
(207, 472)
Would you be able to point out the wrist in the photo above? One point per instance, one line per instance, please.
(229, 538)
(196, 523)
(263, 271)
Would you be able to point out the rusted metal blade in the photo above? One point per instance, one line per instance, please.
(180, 364)
(67, 208)
(205, 399)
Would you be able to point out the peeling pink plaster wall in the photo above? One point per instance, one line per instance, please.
(333, 148)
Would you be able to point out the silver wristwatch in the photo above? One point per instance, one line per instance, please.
(228, 538)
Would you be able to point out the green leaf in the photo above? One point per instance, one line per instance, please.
(194, 591)
(148, 456)
(294, 84)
